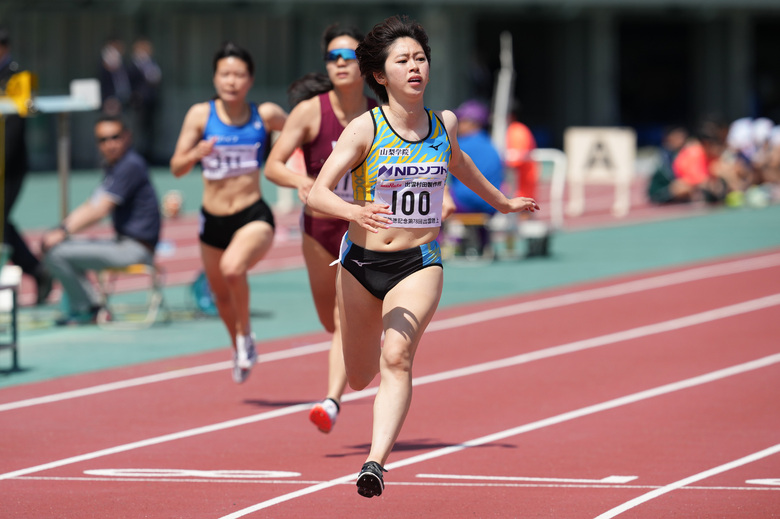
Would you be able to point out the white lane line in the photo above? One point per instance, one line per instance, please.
(189, 433)
(611, 338)
(686, 276)
(772, 482)
(628, 505)
(619, 289)
(674, 324)
(161, 377)
(612, 480)
(547, 422)
(395, 483)
(191, 473)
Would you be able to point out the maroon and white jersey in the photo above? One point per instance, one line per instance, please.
(316, 152)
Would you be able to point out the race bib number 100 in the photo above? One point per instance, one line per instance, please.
(415, 202)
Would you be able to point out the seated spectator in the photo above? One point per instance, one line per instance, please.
(762, 135)
(762, 131)
(126, 193)
(664, 187)
(698, 167)
(473, 118)
(762, 187)
(771, 171)
(746, 153)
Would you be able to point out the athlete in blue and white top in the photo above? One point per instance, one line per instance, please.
(390, 275)
(228, 137)
(238, 149)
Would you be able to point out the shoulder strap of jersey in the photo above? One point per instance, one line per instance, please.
(325, 105)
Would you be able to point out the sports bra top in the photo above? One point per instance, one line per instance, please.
(238, 149)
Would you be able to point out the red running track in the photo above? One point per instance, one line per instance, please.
(643, 397)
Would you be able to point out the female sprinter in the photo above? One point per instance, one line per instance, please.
(390, 275)
(315, 124)
(228, 136)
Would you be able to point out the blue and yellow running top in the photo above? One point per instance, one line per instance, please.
(408, 176)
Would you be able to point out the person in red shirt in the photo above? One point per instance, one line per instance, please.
(698, 167)
(519, 143)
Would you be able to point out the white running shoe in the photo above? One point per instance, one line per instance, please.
(239, 375)
(245, 348)
(244, 357)
(324, 415)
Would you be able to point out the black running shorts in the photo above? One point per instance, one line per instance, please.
(379, 272)
(217, 231)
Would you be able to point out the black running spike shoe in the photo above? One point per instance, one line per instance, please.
(370, 482)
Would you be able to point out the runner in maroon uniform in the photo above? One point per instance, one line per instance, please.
(315, 125)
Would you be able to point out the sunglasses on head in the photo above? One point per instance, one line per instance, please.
(107, 138)
(335, 54)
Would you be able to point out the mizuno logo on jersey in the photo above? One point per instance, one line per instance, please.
(436, 147)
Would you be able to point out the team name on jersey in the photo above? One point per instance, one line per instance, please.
(226, 139)
(419, 183)
(409, 170)
(394, 152)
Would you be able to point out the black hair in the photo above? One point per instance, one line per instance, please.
(673, 127)
(335, 30)
(308, 86)
(5, 37)
(373, 50)
(106, 118)
(230, 49)
(711, 128)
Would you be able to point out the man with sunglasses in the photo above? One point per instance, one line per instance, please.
(128, 196)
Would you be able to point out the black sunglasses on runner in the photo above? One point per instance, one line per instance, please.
(101, 140)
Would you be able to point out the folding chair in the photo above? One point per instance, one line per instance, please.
(131, 316)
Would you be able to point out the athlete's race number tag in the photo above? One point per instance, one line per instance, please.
(344, 188)
(235, 159)
(415, 202)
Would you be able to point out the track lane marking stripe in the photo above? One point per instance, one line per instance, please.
(162, 377)
(547, 422)
(628, 505)
(691, 320)
(695, 274)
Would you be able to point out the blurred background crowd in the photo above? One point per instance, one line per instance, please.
(699, 82)
(735, 163)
